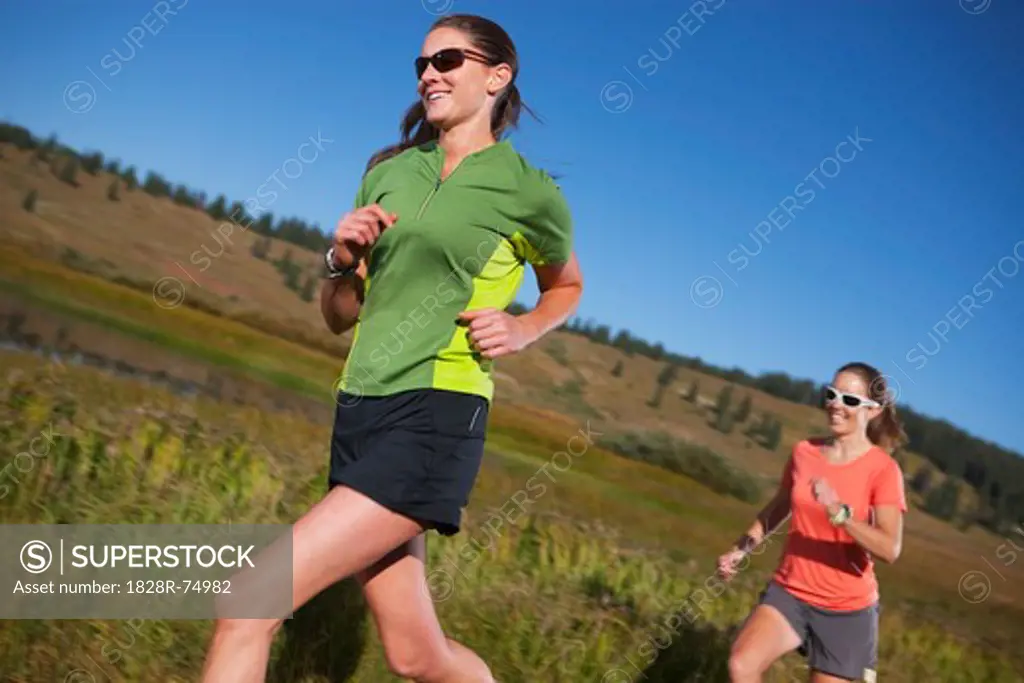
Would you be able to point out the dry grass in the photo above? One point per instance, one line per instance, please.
(565, 592)
(144, 238)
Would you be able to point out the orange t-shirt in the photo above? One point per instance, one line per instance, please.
(822, 564)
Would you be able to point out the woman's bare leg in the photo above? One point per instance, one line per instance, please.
(819, 677)
(342, 534)
(765, 637)
(414, 644)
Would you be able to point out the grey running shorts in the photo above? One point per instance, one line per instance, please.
(842, 644)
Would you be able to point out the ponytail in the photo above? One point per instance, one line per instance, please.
(416, 130)
(507, 109)
(886, 431)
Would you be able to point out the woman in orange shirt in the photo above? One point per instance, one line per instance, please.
(846, 497)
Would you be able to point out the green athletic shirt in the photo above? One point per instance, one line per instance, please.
(459, 244)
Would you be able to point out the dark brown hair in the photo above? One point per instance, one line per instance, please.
(490, 39)
(885, 429)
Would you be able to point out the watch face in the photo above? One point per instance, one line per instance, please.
(329, 260)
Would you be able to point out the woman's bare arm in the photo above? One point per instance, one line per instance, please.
(884, 538)
(341, 300)
(771, 516)
(560, 289)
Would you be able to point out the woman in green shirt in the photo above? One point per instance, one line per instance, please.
(422, 269)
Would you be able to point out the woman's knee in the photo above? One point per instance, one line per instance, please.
(418, 662)
(247, 628)
(744, 664)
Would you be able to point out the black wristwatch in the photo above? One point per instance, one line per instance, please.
(333, 271)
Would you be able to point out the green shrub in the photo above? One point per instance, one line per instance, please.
(692, 460)
(69, 172)
(30, 201)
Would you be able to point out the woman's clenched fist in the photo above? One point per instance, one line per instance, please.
(359, 230)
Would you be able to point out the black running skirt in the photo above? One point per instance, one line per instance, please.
(416, 452)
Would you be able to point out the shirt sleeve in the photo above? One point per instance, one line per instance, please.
(364, 193)
(787, 475)
(360, 199)
(547, 226)
(888, 488)
(786, 482)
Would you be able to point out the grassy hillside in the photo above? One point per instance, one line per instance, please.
(144, 239)
(521, 421)
(559, 592)
(80, 227)
(76, 274)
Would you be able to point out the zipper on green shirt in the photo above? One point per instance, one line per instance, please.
(426, 200)
(437, 186)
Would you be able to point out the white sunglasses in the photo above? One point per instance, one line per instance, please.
(849, 400)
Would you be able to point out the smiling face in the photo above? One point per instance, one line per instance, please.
(452, 96)
(845, 420)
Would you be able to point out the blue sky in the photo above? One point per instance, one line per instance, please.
(690, 137)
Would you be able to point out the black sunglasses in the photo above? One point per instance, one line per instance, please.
(447, 59)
